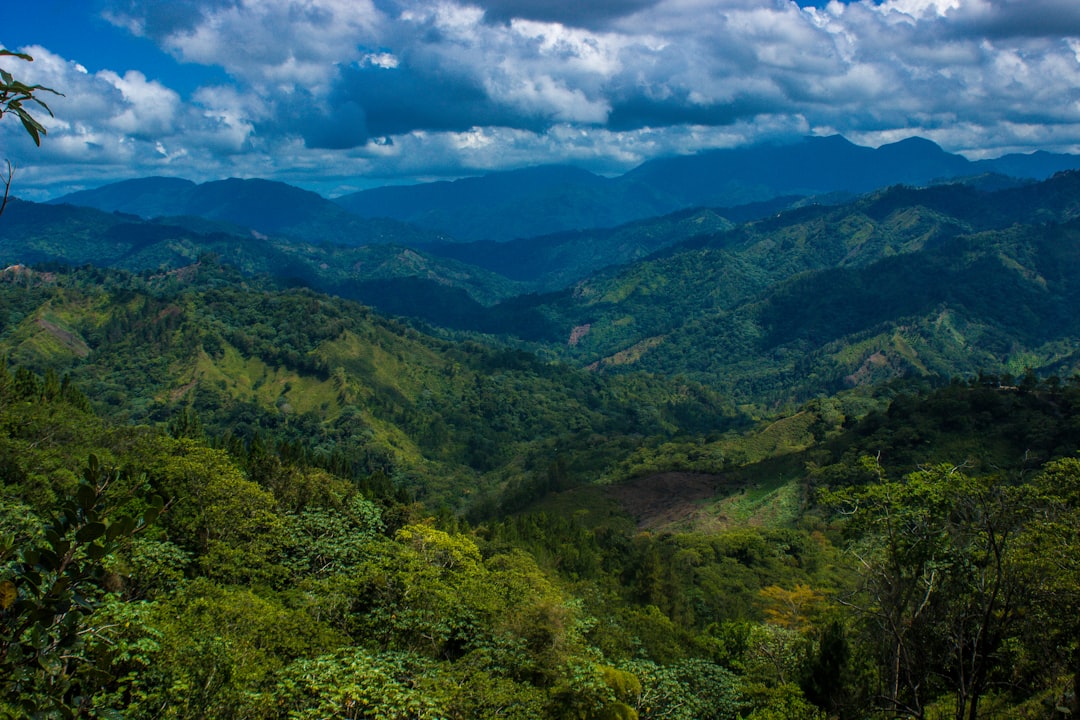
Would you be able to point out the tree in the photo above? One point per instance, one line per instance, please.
(1050, 552)
(14, 96)
(50, 588)
(943, 590)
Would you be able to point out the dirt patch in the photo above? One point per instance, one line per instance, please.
(183, 390)
(671, 498)
(577, 333)
(65, 337)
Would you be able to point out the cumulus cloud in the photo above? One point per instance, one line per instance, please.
(423, 87)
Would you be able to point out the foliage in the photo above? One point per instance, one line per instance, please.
(310, 562)
(51, 587)
(14, 94)
(945, 582)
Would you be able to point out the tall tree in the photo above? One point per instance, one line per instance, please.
(943, 588)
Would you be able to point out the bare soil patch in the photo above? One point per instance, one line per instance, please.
(67, 338)
(671, 498)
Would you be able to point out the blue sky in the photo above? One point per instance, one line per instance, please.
(338, 95)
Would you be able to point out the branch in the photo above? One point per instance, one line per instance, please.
(7, 185)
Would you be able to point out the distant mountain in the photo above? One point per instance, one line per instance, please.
(552, 262)
(549, 200)
(516, 204)
(1037, 166)
(813, 166)
(267, 207)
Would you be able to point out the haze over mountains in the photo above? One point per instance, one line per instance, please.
(544, 200)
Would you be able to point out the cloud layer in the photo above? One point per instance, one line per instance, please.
(334, 94)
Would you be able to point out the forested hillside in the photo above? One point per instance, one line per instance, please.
(222, 498)
(904, 282)
(795, 459)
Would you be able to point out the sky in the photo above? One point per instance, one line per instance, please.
(341, 95)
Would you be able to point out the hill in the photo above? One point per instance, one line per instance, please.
(447, 419)
(943, 280)
(262, 206)
(35, 233)
(291, 542)
(549, 263)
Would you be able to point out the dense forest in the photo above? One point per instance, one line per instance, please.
(226, 498)
(783, 432)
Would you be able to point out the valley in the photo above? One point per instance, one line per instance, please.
(723, 437)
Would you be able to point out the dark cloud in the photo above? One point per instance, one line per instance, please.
(380, 102)
(344, 127)
(159, 19)
(639, 112)
(1019, 18)
(578, 13)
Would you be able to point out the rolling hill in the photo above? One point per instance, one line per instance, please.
(35, 233)
(944, 280)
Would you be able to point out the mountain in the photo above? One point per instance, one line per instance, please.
(301, 367)
(939, 281)
(515, 204)
(548, 200)
(264, 206)
(1036, 166)
(552, 262)
(814, 166)
(232, 499)
(551, 200)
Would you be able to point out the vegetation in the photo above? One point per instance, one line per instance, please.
(816, 466)
(14, 96)
(257, 491)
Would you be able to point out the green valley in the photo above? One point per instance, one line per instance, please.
(788, 460)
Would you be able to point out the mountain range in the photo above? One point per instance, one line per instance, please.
(255, 206)
(774, 300)
(552, 199)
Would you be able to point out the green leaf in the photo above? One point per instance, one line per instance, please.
(90, 532)
(12, 53)
(87, 496)
(48, 559)
(123, 526)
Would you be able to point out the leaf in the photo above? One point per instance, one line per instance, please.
(48, 559)
(8, 594)
(90, 532)
(150, 515)
(86, 496)
(121, 527)
(12, 53)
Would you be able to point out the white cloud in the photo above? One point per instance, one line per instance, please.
(278, 44)
(446, 86)
(150, 108)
